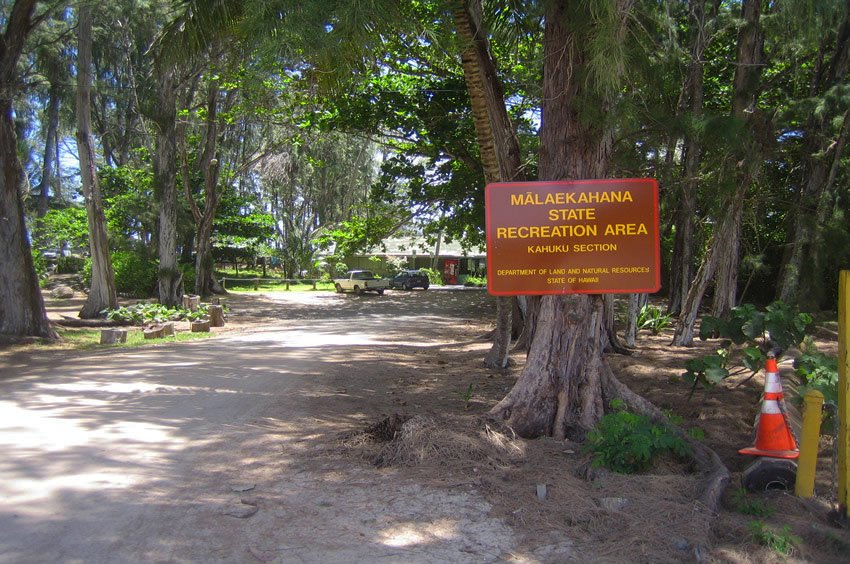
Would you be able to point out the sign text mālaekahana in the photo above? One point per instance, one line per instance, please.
(585, 236)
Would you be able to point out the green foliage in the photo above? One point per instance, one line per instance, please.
(40, 264)
(475, 281)
(653, 318)
(628, 442)
(748, 504)
(748, 335)
(434, 275)
(142, 313)
(135, 274)
(65, 228)
(70, 264)
(781, 542)
(466, 396)
(817, 371)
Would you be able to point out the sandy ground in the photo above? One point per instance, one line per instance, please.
(204, 451)
(237, 449)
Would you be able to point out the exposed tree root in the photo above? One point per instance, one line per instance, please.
(716, 475)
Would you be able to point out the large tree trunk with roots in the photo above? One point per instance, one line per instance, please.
(102, 293)
(497, 140)
(560, 390)
(566, 383)
(170, 282)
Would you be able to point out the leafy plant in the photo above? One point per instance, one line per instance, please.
(781, 542)
(653, 318)
(817, 371)
(748, 335)
(747, 504)
(434, 275)
(142, 313)
(467, 396)
(628, 442)
(70, 264)
(475, 281)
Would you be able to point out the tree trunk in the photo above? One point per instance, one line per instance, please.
(560, 390)
(205, 283)
(636, 302)
(102, 292)
(170, 284)
(51, 129)
(22, 313)
(497, 140)
(691, 100)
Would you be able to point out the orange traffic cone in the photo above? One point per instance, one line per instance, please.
(773, 435)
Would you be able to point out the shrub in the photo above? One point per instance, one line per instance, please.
(434, 275)
(628, 442)
(135, 274)
(753, 332)
(653, 318)
(475, 281)
(70, 264)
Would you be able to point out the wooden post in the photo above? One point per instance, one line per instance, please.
(168, 329)
(809, 440)
(256, 284)
(156, 332)
(216, 313)
(202, 326)
(844, 393)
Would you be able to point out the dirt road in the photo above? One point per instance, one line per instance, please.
(208, 451)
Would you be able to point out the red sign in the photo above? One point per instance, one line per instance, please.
(577, 237)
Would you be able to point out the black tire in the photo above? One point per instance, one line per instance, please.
(425, 287)
(381, 292)
(406, 287)
(338, 288)
(770, 474)
(357, 290)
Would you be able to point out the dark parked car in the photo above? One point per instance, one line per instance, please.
(409, 279)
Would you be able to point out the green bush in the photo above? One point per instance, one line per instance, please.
(135, 274)
(40, 264)
(188, 271)
(434, 276)
(70, 264)
(141, 313)
(475, 281)
(628, 442)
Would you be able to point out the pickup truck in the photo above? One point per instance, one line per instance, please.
(359, 281)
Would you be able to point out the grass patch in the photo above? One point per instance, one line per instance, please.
(748, 504)
(89, 339)
(248, 286)
(781, 542)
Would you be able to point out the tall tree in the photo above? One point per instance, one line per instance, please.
(102, 294)
(722, 259)
(563, 387)
(22, 312)
(823, 144)
(497, 138)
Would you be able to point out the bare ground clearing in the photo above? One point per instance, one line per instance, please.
(240, 448)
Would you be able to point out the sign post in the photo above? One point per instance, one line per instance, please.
(844, 393)
(573, 237)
